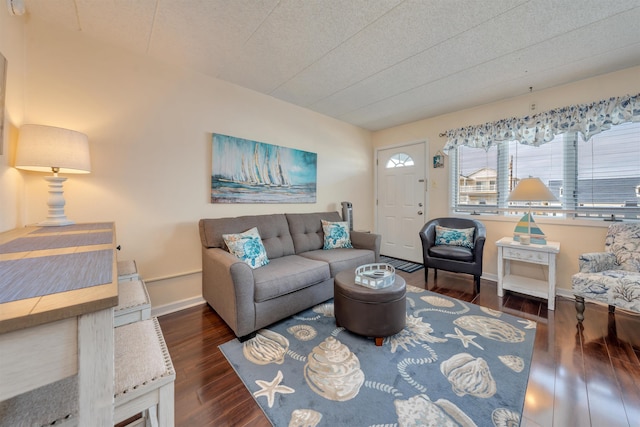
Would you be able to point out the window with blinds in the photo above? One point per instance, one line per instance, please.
(608, 172)
(598, 178)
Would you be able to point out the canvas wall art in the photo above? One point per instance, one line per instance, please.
(246, 171)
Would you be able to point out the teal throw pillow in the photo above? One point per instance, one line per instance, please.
(248, 247)
(336, 235)
(454, 236)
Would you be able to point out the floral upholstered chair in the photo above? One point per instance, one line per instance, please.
(612, 276)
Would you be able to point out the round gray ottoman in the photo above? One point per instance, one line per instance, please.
(376, 313)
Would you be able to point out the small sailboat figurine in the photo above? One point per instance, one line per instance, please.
(527, 226)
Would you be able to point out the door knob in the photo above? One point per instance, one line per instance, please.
(419, 212)
(420, 204)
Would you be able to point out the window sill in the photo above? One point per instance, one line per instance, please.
(568, 222)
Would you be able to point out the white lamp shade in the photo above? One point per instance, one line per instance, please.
(41, 148)
(531, 190)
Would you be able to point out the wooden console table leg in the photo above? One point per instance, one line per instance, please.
(500, 272)
(96, 368)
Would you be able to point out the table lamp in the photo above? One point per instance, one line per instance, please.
(44, 148)
(530, 190)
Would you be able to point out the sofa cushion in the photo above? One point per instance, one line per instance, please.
(306, 229)
(273, 229)
(288, 274)
(248, 247)
(336, 235)
(342, 259)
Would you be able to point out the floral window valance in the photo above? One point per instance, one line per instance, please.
(587, 119)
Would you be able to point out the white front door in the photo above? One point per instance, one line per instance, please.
(402, 200)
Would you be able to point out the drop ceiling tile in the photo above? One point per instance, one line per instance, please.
(475, 47)
(409, 29)
(294, 37)
(129, 25)
(206, 34)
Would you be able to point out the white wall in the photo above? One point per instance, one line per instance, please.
(576, 237)
(11, 183)
(150, 128)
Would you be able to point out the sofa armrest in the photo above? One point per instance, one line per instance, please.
(228, 287)
(363, 240)
(595, 262)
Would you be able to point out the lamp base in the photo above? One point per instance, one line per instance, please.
(56, 216)
(55, 222)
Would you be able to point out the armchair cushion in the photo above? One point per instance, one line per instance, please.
(454, 236)
(457, 253)
(619, 288)
(595, 262)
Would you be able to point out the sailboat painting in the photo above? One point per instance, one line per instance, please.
(245, 171)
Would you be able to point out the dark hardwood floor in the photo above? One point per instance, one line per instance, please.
(579, 376)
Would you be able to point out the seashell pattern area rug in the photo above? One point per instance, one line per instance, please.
(454, 364)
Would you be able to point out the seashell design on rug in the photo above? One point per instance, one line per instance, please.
(491, 328)
(438, 301)
(469, 375)
(442, 413)
(266, 347)
(515, 363)
(325, 309)
(503, 417)
(333, 371)
(303, 332)
(305, 418)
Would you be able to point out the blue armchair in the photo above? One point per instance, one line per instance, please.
(612, 276)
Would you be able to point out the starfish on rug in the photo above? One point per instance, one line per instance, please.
(270, 388)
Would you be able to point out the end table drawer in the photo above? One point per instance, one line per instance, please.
(526, 255)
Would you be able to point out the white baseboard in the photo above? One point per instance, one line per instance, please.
(490, 277)
(567, 293)
(176, 306)
(561, 292)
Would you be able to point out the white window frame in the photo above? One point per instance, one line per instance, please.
(568, 208)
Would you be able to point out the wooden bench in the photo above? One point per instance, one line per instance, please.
(133, 302)
(144, 384)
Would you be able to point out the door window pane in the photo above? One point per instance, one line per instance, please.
(399, 160)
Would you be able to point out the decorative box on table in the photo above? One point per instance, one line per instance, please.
(375, 276)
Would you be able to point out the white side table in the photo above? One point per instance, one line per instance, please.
(508, 250)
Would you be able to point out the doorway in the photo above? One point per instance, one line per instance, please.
(401, 202)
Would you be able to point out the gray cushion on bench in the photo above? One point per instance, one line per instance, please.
(288, 274)
(43, 406)
(139, 355)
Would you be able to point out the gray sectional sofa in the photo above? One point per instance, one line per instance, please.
(299, 274)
